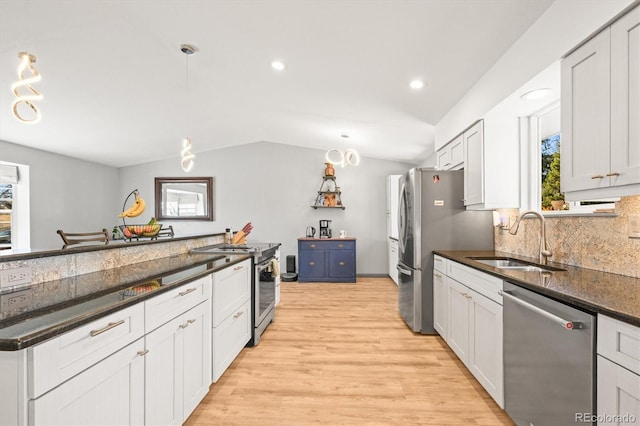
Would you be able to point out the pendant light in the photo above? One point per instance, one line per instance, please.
(187, 157)
(25, 84)
(349, 157)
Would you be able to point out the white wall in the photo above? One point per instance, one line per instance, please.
(273, 186)
(65, 193)
(564, 25)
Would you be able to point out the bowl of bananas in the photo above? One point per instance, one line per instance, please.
(143, 230)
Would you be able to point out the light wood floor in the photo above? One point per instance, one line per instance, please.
(340, 354)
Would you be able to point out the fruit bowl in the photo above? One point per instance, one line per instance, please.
(140, 230)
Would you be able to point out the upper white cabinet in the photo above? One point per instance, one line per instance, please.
(451, 156)
(600, 149)
(474, 170)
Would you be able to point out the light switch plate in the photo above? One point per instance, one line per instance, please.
(634, 226)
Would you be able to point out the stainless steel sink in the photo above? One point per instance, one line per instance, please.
(514, 264)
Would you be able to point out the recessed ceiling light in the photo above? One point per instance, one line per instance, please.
(344, 135)
(416, 84)
(277, 65)
(535, 94)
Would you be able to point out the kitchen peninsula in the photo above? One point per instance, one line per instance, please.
(109, 320)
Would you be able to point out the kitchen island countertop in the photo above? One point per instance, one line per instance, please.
(51, 308)
(617, 296)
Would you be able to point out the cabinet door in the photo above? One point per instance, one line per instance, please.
(625, 99)
(444, 158)
(196, 356)
(231, 287)
(618, 394)
(474, 165)
(229, 337)
(440, 303)
(164, 374)
(458, 319)
(457, 152)
(109, 393)
(584, 149)
(485, 345)
(342, 264)
(312, 264)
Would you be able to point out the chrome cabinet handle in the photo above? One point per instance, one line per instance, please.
(237, 268)
(613, 174)
(312, 263)
(341, 263)
(238, 315)
(190, 290)
(143, 353)
(566, 324)
(108, 327)
(191, 321)
(183, 326)
(435, 274)
(312, 245)
(340, 245)
(597, 177)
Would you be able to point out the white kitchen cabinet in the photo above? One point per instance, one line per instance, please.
(440, 291)
(600, 148)
(474, 170)
(231, 315)
(177, 367)
(451, 156)
(392, 255)
(393, 194)
(618, 372)
(109, 393)
(474, 323)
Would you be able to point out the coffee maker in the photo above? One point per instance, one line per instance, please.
(325, 231)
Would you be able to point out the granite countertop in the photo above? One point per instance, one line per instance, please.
(617, 296)
(45, 310)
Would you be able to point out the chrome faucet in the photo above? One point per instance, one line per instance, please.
(544, 252)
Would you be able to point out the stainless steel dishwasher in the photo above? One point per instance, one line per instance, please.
(549, 360)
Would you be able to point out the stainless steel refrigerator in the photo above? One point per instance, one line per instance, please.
(432, 216)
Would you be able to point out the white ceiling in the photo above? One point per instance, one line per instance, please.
(114, 79)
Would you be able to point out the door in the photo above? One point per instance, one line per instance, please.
(474, 164)
(458, 324)
(410, 296)
(618, 393)
(196, 355)
(440, 303)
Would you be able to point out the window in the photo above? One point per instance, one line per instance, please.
(544, 184)
(6, 208)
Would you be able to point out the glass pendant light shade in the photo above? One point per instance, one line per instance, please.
(187, 156)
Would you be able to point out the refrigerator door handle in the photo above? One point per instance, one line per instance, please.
(404, 271)
(402, 210)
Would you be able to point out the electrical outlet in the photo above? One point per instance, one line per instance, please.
(15, 301)
(16, 276)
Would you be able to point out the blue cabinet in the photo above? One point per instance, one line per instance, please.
(328, 260)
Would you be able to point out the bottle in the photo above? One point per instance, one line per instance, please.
(228, 235)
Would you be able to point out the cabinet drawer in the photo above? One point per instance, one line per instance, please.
(312, 264)
(229, 337)
(338, 244)
(485, 284)
(231, 287)
(619, 342)
(440, 264)
(162, 308)
(58, 359)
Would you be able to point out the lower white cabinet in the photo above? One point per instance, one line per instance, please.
(468, 314)
(109, 393)
(231, 315)
(177, 368)
(618, 372)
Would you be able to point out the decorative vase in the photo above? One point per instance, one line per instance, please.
(329, 170)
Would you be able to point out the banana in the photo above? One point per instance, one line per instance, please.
(136, 209)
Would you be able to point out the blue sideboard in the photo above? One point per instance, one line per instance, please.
(327, 260)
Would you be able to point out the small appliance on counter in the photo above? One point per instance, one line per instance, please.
(325, 231)
(311, 232)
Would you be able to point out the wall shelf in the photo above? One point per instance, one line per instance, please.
(329, 195)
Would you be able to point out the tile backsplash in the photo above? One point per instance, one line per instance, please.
(599, 243)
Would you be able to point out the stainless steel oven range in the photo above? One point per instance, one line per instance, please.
(264, 280)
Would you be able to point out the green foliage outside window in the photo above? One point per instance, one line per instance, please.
(550, 148)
